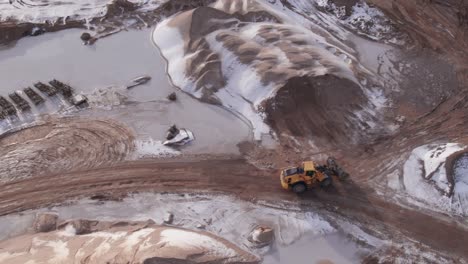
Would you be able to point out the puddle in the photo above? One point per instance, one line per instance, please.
(113, 62)
(313, 249)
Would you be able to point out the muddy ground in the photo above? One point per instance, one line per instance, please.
(350, 199)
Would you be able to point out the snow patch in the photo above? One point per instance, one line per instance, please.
(61, 251)
(171, 43)
(56, 10)
(369, 21)
(153, 148)
(225, 216)
(364, 19)
(136, 237)
(425, 177)
(460, 191)
(107, 98)
(68, 231)
(187, 240)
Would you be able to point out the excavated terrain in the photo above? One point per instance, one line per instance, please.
(295, 72)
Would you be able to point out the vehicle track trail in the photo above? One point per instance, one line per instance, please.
(236, 177)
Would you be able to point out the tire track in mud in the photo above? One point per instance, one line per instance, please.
(235, 177)
(63, 145)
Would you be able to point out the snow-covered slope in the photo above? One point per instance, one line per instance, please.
(41, 11)
(428, 179)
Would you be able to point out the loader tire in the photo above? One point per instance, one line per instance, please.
(299, 188)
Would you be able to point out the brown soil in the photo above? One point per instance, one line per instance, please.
(63, 144)
(235, 176)
(433, 25)
(320, 108)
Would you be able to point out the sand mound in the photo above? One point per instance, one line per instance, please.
(241, 53)
(122, 242)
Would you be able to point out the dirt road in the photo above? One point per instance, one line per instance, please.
(235, 176)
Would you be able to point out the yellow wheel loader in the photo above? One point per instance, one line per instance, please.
(307, 175)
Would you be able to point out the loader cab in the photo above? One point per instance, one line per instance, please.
(299, 179)
(309, 168)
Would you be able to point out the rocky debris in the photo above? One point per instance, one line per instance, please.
(125, 5)
(63, 88)
(88, 39)
(336, 169)
(262, 236)
(82, 226)
(121, 242)
(49, 90)
(172, 132)
(33, 96)
(119, 8)
(79, 101)
(45, 222)
(36, 31)
(19, 101)
(168, 218)
(6, 107)
(172, 97)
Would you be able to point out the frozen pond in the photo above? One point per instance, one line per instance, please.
(106, 67)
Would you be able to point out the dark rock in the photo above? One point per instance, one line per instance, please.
(36, 31)
(172, 132)
(173, 129)
(262, 235)
(126, 5)
(170, 136)
(86, 36)
(82, 226)
(172, 97)
(168, 218)
(45, 222)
